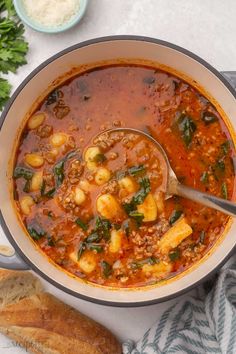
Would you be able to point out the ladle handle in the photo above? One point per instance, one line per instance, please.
(211, 201)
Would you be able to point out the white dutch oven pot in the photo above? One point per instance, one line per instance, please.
(193, 69)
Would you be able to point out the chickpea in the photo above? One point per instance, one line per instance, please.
(58, 139)
(80, 196)
(102, 176)
(85, 185)
(26, 203)
(37, 181)
(108, 206)
(36, 120)
(34, 160)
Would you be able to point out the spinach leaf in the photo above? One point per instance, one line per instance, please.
(53, 97)
(224, 191)
(202, 237)
(99, 158)
(204, 177)
(139, 264)
(59, 168)
(94, 237)
(59, 172)
(95, 247)
(186, 127)
(82, 224)
(106, 269)
(26, 188)
(136, 170)
(174, 255)
(126, 227)
(103, 227)
(81, 250)
(225, 147)
(23, 172)
(176, 214)
(36, 231)
(209, 117)
(138, 217)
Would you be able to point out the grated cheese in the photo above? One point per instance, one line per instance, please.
(51, 13)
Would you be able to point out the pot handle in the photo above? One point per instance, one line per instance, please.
(9, 259)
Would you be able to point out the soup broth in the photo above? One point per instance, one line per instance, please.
(96, 205)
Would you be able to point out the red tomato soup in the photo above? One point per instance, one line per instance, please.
(95, 205)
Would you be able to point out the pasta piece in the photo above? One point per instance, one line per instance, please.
(37, 181)
(128, 185)
(115, 242)
(90, 155)
(36, 120)
(79, 196)
(34, 160)
(108, 206)
(148, 208)
(159, 270)
(26, 203)
(87, 262)
(58, 139)
(102, 176)
(174, 236)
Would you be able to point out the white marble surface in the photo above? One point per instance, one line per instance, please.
(206, 27)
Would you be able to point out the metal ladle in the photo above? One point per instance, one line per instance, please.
(174, 187)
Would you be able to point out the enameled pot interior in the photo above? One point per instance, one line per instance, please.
(34, 86)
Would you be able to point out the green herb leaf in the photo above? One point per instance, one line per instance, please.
(225, 147)
(36, 231)
(126, 227)
(139, 264)
(136, 170)
(202, 237)
(53, 97)
(95, 247)
(103, 227)
(174, 255)
(176, 214)
(209, 117)
(26, 188)
(106, 269)
(186, 127)
(59, 172)
(50, 193)
(94, 237)
(224, 191)
(99, 158)
(138, 217)
(82, 224)
(81, 250)
(204, 177)
(23, 172)
(50, 214)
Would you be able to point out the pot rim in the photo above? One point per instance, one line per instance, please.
(3, 117)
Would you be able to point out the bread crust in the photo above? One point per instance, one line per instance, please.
(43, 312)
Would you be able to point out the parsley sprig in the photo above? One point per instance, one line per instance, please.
(13, 47)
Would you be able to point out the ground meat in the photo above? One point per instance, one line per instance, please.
(75, 171)
(44, 131)
(111, 187)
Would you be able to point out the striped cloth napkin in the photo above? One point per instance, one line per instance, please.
(196, 325)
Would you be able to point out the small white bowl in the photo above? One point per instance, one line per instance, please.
(21, 12)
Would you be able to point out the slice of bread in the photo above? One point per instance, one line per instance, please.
(16, 285)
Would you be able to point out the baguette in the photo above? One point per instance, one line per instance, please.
(55, 327)
(16, 285)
